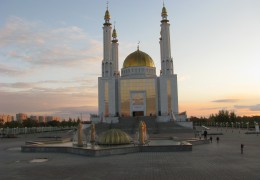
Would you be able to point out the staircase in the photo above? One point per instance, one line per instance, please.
(131, 124)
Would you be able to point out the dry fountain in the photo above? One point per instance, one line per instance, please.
(111, 142)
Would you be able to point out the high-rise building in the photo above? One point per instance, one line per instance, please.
(52, 118)
(6, 117)
(21, 117)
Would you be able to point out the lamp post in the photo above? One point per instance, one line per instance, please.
(247, 124)
(239, 126)
(232, 126)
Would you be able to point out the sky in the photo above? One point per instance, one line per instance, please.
(51, 53)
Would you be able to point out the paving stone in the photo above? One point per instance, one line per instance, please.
(208, 161)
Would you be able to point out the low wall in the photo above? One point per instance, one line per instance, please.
(163, 119)
(107, 120)
(107, 151)
(185, 124)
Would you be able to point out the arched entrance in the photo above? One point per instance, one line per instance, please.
(138, 103)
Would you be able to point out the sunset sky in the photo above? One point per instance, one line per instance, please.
(51, 52)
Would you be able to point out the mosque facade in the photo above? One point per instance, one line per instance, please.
(136, 90)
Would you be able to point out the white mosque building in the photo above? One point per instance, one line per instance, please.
(137, 91)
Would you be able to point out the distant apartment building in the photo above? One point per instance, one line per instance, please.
(6, 117)
(21, 117)
(52, 118)
(34, 118)
(42, 119)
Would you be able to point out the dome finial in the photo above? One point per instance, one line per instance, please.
(138, 45)
(107, 15)
(114, 34)
(164, 11)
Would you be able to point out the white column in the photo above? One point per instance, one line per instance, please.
(107, 50)
(115, 58)
(166, 59)
(165, 42)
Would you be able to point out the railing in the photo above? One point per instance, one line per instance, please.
(30, 130)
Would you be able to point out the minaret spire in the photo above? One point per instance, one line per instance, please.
(106, 63)
(165, 45)
(164, 12)
(114, 34)
(114, 52)
(107, 16)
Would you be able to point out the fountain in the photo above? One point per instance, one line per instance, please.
(114, 137)
(110, 142)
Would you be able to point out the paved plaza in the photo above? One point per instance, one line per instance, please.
(221, 160)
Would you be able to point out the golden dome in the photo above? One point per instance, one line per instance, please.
(114, 137)
(138, 58)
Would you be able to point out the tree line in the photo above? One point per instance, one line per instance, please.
(227, 117)
(34, 123)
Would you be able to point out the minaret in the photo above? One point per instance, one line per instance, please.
(106, 63)
(165, 45)
(115, 53)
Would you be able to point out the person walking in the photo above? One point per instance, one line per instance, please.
(217, 139)
(205, 134)
(242, 148)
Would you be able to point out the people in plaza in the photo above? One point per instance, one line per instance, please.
(217, 139)
(210, 138)
(205, 134)
(242, 148)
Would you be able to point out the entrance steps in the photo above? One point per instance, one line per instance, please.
(131, 124)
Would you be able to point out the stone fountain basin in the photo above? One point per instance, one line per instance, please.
(98, 150)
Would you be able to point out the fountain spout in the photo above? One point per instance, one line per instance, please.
(80, 133)
(142, 133)
(93, 133)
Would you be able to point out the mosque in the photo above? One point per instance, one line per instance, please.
(137, 91)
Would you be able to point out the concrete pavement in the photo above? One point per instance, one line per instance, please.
(221, 160)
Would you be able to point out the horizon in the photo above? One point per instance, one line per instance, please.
(50, 62)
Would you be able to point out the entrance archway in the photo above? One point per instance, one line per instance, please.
(138, 113)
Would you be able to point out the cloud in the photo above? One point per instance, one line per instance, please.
(225, 100)
(9, 71)
(17, 85)
(251, 107)
(48, 102)
(34, 44)
(213, 108)
(47, 70)
(73, 86)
